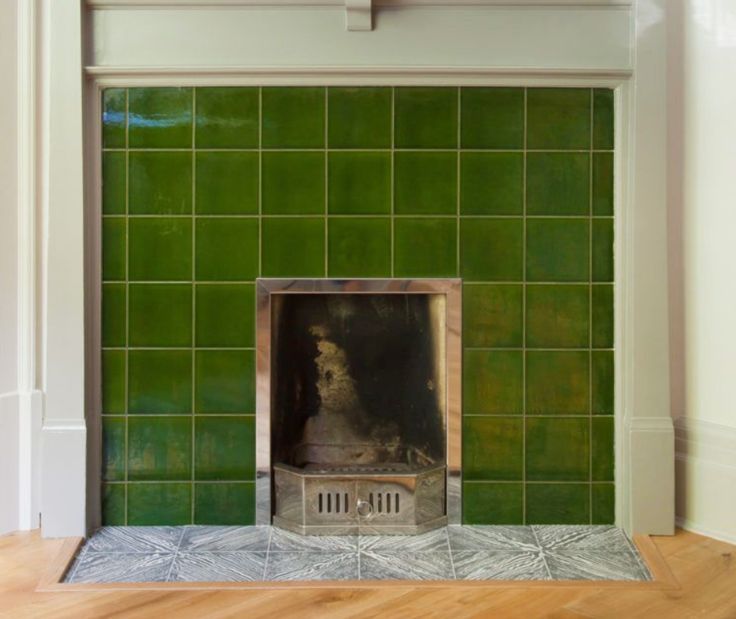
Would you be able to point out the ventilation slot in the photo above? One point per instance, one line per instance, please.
(385, 502)
(333, 503)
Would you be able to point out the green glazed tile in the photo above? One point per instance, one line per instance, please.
(488, 503)
(113, 248)
(293, 117)
(557, 316)
(359, 183)
(602, 448)
(603, 316)
(491, 183)
(113, 315)
(224, 448)
(425, 247)
(160, 381)
(113, 448)
(160, 249)
(493, 448)
(159, 448)
(493, 382)
(113, 117)
(491, 249)
(226, 117)
(558, 184)
(160, 315)
(557, 449)
(558, 118)
(425, 183)
(114, 181)
(359, 247)
(113, 505)
(225, 315)
(604, 504)
(113, 381)
(603, 382)
(159, 504)
(160, 183)
(557, 504)
(160, 117)
(557, 250)
(224, 504)
(492, 315)
(603, 127)
(359, 117)
(226, 249)
(425, 117)
(225, 381)
(293, 183)
(227, 184)
(293, 247)
(603, 250)
(557, 383)
(603, 184)
(492, 117)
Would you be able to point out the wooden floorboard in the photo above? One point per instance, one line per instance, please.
(703, 568)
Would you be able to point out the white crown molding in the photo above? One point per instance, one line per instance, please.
(203, 4)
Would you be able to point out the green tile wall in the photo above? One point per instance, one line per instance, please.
(206, 189)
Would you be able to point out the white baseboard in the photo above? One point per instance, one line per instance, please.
(9, 462)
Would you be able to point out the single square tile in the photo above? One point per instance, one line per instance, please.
(113, 117)
(113, 448)
(493, 448)
(481, 538)
(491, 249)
(160, 117)
(160, 315)
(226, 249)
(591, 565)
(159, 448)
(225, 315)
(120, 567)
(293, 247)
(602, 311)
(155, 504)
(557, 503)
(603, 184)
(113, 504)
(557, 383)
(602, 449)
(603, 250)
(491, 183)
(425, 117)
(492, 382)
(425, 247)
(406, 566)
(114, 183)
(225, 381)
(160, 249)
(557, 449)
(226, 117)
(558, 184)
(603, 127)
(218, 567)
(160, 183)
(160, 381)
(499, 565)
(114, 237)
(557, 316)
(225, 538)
(492, 117)
(492, 315)
(286, 541)
(359, 183)
(293, 117)
(224, 448)
(359, 117)
(359, 247)
(294, 566)
(150, 539)
(603, 504)
(227, 183)
(601, 539)
(425, 183)
(602, 382)
(224, 504)
(113, 315)
(557, 250)
(558, 118)
(293, 183)
(113, 381)
(433, 541)
(493, 503)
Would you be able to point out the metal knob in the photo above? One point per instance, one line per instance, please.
(365, 509)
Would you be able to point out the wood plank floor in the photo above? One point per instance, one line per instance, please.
(704, 568)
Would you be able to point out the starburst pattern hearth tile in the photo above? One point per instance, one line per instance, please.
(216, 539)
(406, 566)
(492, 538)
(218, 566)
(424, 542)
(594, 564)
(500, 565)
(282, 540)
(135, 539)
(602, 537)
(98, 567)
(312, 566)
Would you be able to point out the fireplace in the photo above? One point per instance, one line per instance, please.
(358, 405)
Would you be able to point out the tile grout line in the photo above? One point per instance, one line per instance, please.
(268, 553)
(260, 181)
(590, 310)
(481, 216)
(360, 150)
(458, 139)
(193, 487)
(326, 119)
(392, 180)
(523, 317)
(449, 550)
(127, 303)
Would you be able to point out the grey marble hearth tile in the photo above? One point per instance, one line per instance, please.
(587, 564)
(406, 566)
(425, 542)
(603, 537)
(216, 539)
(478, 537)
(97, 567)
(135, 539)
(218, 566)
(312, 566)
(282, 540)
(500, 565)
